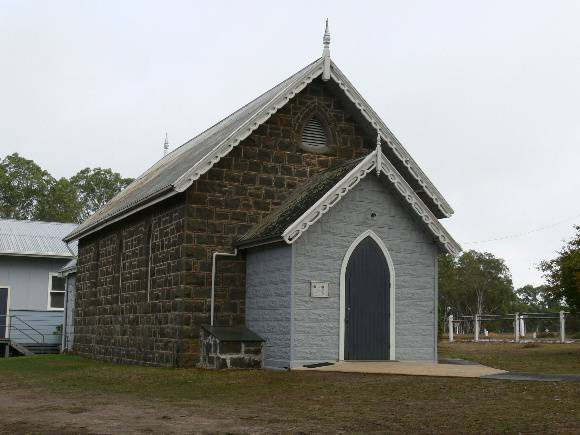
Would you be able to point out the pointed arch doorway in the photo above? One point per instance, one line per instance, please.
(367, 327)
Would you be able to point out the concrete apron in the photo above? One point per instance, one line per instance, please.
(409, 368)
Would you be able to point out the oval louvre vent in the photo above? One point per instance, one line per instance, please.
(314, 134)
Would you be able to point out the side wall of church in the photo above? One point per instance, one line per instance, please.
(117, 319)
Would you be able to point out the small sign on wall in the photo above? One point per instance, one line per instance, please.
(318, 289)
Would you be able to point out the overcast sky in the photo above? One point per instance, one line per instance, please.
(484, 95)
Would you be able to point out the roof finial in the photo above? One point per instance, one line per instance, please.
(326, 53)
(165, 145)
(379, 152)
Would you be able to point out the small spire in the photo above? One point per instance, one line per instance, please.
(379, 152)
(165, 145)
(326, 53)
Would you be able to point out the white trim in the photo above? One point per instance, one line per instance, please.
(262, 115)
(221, 150)
(377, 123)
(8, 302)
(242, 132)
(330, 198)
(35, 254)
(392, 323)
(280, 100)
(419, 207)
(50, 275)
(338, 191)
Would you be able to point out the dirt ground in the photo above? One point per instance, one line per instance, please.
(36, 412)
(65, 394)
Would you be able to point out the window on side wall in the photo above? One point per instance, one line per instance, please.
(55, 292)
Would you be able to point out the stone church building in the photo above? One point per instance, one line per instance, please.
(298, 230)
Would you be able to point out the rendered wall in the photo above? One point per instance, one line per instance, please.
(318, 255)
(268, 300)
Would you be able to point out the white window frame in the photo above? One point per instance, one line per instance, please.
(48, 307)
(7, 309)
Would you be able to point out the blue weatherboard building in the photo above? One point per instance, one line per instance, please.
(32, 287)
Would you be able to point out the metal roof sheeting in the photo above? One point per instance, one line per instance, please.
(173, 173)
(162, 176)
(35, 238)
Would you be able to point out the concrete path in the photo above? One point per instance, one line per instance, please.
(520, 376)
(409, 368)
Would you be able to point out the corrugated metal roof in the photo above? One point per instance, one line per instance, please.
(35, 238)
(176, 171)
(162, 176)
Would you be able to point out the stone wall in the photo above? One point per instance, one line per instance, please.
(222, 354)
(129, 294)
(122, 317)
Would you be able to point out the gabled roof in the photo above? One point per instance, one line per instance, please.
(314, 199)
(35, 238)
(178, 170)
(273, 226)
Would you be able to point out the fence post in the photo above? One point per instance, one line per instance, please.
(517, 329)
(562, 327)
(476, 317)
(450, 328)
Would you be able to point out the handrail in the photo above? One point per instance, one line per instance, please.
(24, 333)
(21, 330)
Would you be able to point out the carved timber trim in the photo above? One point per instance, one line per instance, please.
(419, 206)
(329, 199)
(334, 195)
(243, 132)
(391, 141)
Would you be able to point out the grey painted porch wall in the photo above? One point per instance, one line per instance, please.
(268, 300)
(318, 255)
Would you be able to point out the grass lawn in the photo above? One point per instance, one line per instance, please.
(540, 358)
(69, 394)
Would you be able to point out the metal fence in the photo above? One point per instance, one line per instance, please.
(550, 327)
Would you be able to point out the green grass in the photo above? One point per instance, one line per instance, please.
(540, 358)
(306, 401)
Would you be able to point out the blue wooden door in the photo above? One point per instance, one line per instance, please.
(367, 301)
(3, 311)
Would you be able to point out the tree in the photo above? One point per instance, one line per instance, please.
(474, 283)
(29, 192)
(95, 187)
(563, 273)
(23, 187)
(536, 299)
(60, 204)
